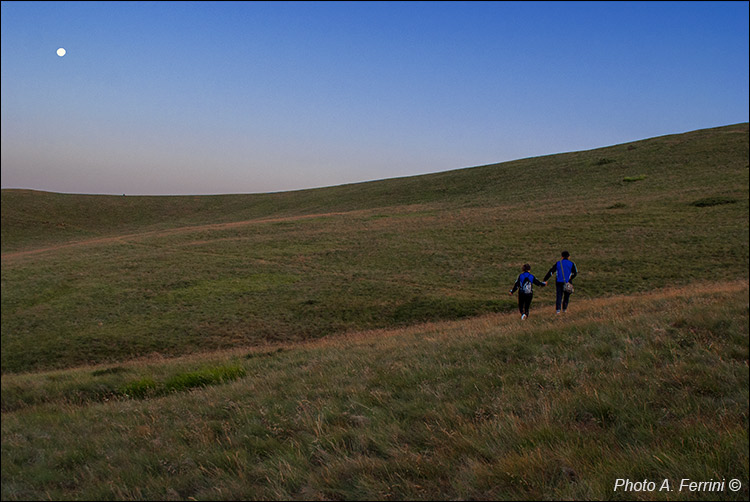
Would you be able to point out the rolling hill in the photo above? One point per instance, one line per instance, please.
(358, 343)
(93, 279)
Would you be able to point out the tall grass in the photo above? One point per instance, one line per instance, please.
(650, 386)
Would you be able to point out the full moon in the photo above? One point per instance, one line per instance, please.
(61, 52)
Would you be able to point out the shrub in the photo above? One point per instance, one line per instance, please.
(713, 201)
(204, 377)
(603, 161)
(139, 388)
(109, 371)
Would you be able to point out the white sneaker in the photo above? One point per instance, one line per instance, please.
(557, 312)
(523, 317)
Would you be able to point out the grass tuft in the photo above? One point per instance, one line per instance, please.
(713, 201)
(139, 389)
(630, 179)
(203, 377)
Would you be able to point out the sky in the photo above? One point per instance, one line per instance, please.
(176, 98)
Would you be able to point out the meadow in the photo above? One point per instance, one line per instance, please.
(646, 386)
(358, 342)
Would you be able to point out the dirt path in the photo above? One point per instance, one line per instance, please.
(7, 257)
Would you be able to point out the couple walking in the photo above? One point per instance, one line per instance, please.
(565, 270)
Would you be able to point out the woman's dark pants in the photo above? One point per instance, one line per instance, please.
(524, 302)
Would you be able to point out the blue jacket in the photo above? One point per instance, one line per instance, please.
(564, 270)
(522, 278)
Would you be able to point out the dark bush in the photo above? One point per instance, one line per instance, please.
(713, 201)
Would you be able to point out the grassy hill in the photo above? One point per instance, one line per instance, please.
(646, 386)
(94, 279)
(712, 159)
(358, 342)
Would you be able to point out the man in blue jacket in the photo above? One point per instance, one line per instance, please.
(565, 270)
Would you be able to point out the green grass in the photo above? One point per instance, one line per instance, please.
(148, 387)
(631, 179)
(129, 276)
(650, 386)
(358, 342)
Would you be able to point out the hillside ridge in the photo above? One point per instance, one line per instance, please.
(33, 219)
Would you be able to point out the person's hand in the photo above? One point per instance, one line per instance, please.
(544, 283)
(510, 293)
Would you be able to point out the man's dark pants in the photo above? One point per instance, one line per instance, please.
(561, 296)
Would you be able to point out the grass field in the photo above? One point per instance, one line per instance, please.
(358, 342)
(645, 386)
(122, 277)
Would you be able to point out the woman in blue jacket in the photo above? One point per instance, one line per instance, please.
(525, 286)
(565, 270)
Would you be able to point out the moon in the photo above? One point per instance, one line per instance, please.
(61, 52)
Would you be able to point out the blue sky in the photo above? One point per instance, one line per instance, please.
(244, 97)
